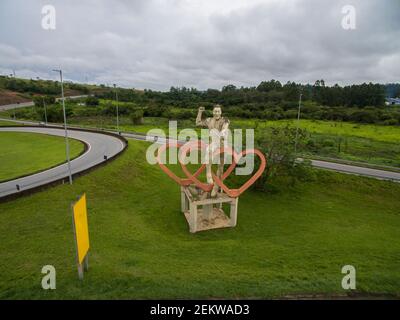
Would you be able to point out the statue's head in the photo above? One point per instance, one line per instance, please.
(217, 112)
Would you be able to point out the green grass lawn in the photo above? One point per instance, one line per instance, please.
(26, 153)
(291, 242)
(335, 128)
(4, 123)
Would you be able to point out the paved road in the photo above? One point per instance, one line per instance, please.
(99, 145)
(30, 103)
(362, 171)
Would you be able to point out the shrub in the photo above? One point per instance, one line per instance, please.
(328, 143)
(136, 116)
(38, 100)
(278, 146)
(390, 122)
(91, 101)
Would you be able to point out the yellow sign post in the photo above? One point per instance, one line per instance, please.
(80, 224)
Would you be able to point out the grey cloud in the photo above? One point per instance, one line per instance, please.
(157, 44)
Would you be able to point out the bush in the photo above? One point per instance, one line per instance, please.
(278, 146)
(364, 116)
(91, 101)
(390, 122)
(154, 111)
(328, 143)
(136, 116)
(25, 113)
(38, 100)
(110, 109)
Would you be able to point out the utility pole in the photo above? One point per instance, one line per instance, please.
(65, 125)
(298, 123)
(45, 111)
(116, 99)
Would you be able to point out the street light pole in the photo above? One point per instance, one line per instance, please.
(116, 99)
(298, 123)
(14, 110)
(45, 111)
(65, 126)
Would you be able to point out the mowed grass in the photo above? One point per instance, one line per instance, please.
(334, 128)
(292, 242)
(330, 128)
(4, 123)
(26, 153)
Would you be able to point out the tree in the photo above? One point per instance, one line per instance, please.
(136, 116)
(48, 100)
(228, 88)
(92, 101)
(278, 146)
(266, 86)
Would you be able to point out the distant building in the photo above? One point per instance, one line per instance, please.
(392, 101)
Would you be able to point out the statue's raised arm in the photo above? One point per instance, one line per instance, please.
(199, 121)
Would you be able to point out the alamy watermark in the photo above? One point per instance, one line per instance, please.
(213, 148)
(48, 17)
(49, 280)
(349, 280)
(349, 20)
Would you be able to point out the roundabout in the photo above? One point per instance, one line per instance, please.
(100, 147)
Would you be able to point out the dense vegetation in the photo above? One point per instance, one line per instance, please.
(32, 87)
(270, 100)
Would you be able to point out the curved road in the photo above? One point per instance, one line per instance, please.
(99, 146)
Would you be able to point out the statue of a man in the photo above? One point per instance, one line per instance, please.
(218, 127)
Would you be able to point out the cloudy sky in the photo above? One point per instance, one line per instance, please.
(157, 44)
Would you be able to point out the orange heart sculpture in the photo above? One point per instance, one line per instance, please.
(194, 145)
(182, 182)
(234, 193)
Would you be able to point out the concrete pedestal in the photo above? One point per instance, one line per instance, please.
(206, 214)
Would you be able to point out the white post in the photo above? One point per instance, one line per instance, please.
(116, 99)
(298, 123)
(45, 111)
(65, 127)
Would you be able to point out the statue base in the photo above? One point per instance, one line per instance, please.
(206, 214)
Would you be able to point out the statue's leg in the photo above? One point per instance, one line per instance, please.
(208, 165)
(220, 171)
(209, 174)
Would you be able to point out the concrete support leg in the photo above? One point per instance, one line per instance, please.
(233, 213)
(193, 218)
(207, 211)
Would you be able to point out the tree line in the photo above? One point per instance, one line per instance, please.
(269, 100)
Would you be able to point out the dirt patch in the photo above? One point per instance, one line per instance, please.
(10, 97)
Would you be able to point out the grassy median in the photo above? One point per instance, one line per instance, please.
(26, 153)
